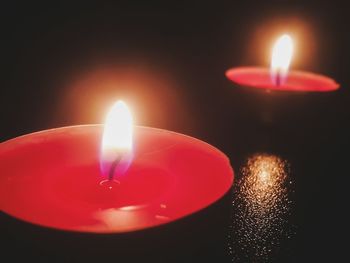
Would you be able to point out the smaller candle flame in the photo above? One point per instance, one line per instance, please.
(281, 58)
(117, 141)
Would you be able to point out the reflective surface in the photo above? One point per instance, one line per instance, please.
(260, 209)
(65, 64)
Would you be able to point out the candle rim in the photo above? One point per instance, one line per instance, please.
(239, 69)
(217, 150)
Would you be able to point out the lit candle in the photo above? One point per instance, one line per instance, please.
(278, 76)
(139, 178)
(143, 194)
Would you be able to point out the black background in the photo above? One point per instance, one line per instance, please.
(168, 60)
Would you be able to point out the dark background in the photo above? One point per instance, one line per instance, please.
(65, 63)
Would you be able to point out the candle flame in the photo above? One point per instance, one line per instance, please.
(117, 140)
(117, 133)
(281, 58)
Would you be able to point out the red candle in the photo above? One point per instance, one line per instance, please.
(60, 179)
(278, 77)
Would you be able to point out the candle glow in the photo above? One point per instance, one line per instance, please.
(281, 57)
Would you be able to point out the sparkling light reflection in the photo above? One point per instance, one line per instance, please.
(261, 207)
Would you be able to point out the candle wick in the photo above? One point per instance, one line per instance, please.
(114, 166)
(278, 79)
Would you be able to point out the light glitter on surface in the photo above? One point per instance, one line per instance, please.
(260, 209)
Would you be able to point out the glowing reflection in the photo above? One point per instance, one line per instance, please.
(263, 185)
(261, 206)
(119, 219)
(124, 219)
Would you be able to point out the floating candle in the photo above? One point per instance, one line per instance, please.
(58, 178)
(279, 77)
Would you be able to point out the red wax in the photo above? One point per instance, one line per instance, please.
(52, 178)
(296, 80)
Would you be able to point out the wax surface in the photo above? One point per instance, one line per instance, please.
(296, 80)
(52, 178)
